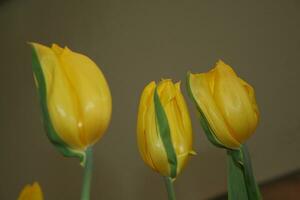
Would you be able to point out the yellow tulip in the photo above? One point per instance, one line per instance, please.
(227, 103)
(74, 96)
(31, 192)
(164, 128)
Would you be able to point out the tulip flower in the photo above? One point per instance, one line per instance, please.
(75, 100)
(228, 104)
(31, 192)
(229, 116)
(164, 130)
(74, 97)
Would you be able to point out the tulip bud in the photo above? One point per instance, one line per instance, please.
(227, 105)
(74, 97)
(164, 130)
(31, 192)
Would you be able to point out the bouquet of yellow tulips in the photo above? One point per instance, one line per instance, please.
(76, 107)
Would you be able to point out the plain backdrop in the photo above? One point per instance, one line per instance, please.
(134, 42)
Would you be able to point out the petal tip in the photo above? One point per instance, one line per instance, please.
(193, 153)
(222, 66)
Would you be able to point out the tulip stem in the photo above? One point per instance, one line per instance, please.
(170, 188)
(87, 176)
(252, 187)
(241, 180)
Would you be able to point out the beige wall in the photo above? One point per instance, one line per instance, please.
(136, 42)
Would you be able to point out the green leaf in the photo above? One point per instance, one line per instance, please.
(165, 135)
(235, 180)
(252, 187)
(241, 181)
(61, 146)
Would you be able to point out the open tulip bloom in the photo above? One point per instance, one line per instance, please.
(164, 130)
(229, 116)
(75, 101)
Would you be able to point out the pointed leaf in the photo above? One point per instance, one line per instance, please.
(165, 134)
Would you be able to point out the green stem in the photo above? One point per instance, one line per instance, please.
(235, 180)
(241, 180)
(87, 176)
(170, 188)
(250, 182)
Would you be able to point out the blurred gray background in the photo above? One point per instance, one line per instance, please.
(135, 42)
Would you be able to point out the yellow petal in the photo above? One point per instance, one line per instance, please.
(150, 144)
(31, 192)
(60, 98)
(48, 62)
(181, 128)
(92, 95)
(166, 91)
(184, 113)
(146, 98)
(202, 88)
(232, 97)
(249, 89)
(57, 49)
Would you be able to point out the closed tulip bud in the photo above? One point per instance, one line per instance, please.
(164, 128)
(31, 192)
(227, 105)
(74, 96)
